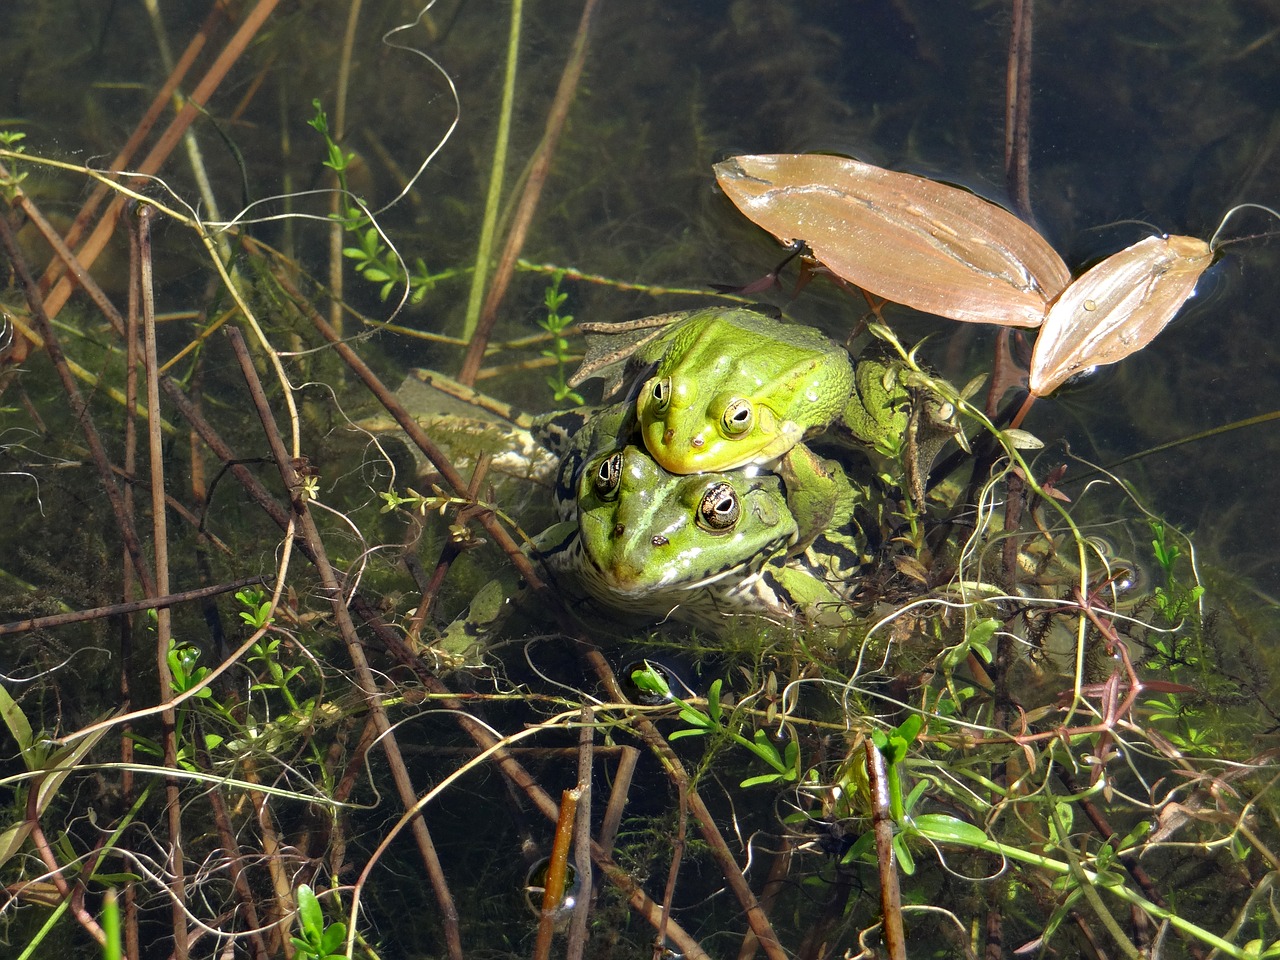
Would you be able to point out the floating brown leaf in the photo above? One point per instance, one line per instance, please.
(914, 241)
(1116, 307)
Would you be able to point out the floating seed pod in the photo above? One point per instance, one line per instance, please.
(914, 241)
(1116, 307)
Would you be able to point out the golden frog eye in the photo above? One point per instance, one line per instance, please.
(661, 392)
(719, 508)
(738, 418)
(608, 475)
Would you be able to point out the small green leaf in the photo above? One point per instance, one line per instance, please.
(944, 828)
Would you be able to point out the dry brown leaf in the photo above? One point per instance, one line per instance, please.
(1116, 307)
(914, 241)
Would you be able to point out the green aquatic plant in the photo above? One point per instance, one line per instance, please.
(372, 256)
(555, 323)
(319, 940)
(713, 722)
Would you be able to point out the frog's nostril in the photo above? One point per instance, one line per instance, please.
(696, 442)
(619, 529)
(668, 436)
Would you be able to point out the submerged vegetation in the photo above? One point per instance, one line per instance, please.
(261, 686)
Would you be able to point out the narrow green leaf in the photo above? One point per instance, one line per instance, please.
(944, 828)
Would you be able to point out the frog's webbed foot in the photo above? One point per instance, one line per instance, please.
(615, 351)
(819, 494)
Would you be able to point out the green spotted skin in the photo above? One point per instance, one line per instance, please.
(729, 387)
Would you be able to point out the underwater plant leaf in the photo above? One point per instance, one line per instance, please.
(930, 246)
(944, 828)
(1116, 307)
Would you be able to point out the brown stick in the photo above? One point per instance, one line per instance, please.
(1017, 121)
(120, 609)
(882, 824)
(366, 682)
(72, 896)
(528, 204)
(582, 839)
(236, 46)
(79, 407)
(557, 874)
(160, 551)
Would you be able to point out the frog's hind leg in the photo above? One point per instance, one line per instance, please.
(819, 494)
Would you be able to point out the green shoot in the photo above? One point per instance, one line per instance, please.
(786, 765)
(319, 941)
(555, 324)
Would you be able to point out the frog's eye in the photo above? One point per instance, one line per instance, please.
(738, 417)
(607, 475)
(662, 394)
(719, 508)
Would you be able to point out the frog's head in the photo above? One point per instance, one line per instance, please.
(644, 529)
(687, 431)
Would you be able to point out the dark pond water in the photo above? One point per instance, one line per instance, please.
(1145, 116)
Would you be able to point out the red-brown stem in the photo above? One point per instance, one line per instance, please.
(75, 903)
(1017, 133)
(557, 873)
(582, 839)
(673, 872)
(882, 824)
(355, 650)
(528, 205)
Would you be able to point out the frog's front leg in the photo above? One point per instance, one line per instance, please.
(819, 494)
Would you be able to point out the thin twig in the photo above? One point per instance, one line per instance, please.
(882, 824)
(528, 205)
(582, 839)
(1017, 129)
(342, 617)
(553, 887)
(673, 871)
(160, 552)
(120, 609)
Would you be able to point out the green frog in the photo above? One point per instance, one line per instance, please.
(696, 548)
(639, 541)
(723, 388)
